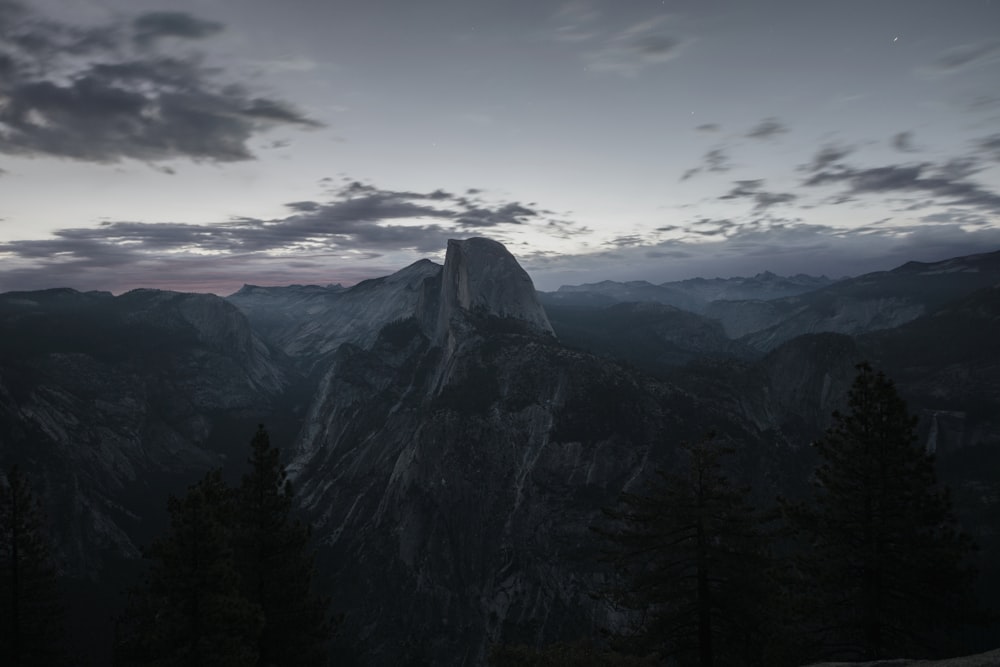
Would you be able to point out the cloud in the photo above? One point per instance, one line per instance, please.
(990, 146)
(709, 127)
(948, 181)
(903, 142)
(575, 21)
(361, 220)
(751, 189)
(634, 48)
(716, 161)
(767, 129)
(82, 94)
(152, 26)
(827, 156)
(965, 56)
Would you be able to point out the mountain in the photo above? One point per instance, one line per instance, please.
(452, 433)
(105, 397)
(874, 301)
(306, 321)
(454, 477)
(652, 335)
(693, 294)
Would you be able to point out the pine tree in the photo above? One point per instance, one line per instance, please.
(191, 611)
(694, 564)
(31, 613)
(275, 564)
(887, 559)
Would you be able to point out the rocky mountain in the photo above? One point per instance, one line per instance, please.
(306, 321)
(105, 397)
(871, 302)
(452, 433)
(454, 477)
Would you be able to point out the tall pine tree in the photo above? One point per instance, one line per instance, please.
(31, 612)
(276, 566)
(695, 568)
(191, 611)
(888, 562)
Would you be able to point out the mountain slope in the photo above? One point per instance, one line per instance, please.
(309, 321)
(694, 294)
(874, 301)
(106, 397)
(651, 335)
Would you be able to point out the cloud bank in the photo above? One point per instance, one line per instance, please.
(107, 93)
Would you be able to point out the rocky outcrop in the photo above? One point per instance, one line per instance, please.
(482, 279)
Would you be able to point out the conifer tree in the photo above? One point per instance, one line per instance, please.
(275, 564)
(694, 564)
(31, 613)
(191, 611)
(887, 560)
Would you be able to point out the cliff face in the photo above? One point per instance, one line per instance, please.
(481, 278)
(455, 505)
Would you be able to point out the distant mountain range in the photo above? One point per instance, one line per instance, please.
(693, 294)
(452, 433)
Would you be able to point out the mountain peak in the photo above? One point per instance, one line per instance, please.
(481, 277)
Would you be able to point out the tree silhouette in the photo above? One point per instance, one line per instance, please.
(694, 564)
(887, 560)
(275, 564)
(31, 613)
(232, 583)
(191, 611)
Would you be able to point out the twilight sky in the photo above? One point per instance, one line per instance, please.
(202, 144)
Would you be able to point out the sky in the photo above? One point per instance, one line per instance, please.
(198, 145)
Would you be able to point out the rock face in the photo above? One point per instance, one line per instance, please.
(481, 278)
(454, 493)
(309, 321)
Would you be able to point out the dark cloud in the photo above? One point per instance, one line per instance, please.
(767, 129)
(508, 214)
(903, 141)
(709, 127)
(152, 26)
(949, 182)
(79, 93)
(361, 220)
(751, 189)
(715, 160)
(304, 206)
(826, 157)
(626, 241)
